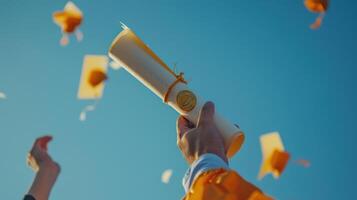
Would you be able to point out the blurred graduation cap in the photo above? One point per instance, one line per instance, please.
(317, 6)
(92, 82)
(69, 20)
(2, 95)
(275, 157)
(166, 176)
(94, 74)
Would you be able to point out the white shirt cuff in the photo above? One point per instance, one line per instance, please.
(204, 163)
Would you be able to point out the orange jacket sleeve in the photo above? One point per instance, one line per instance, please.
(223, 184)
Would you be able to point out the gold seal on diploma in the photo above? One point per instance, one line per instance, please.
(186, 100)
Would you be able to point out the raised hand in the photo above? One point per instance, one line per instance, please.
(194, 141)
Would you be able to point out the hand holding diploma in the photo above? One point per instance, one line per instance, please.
(204, 138)
(140, 61)
(209, 176)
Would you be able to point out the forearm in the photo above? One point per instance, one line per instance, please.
(44, 181)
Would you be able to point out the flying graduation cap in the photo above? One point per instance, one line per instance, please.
(92, 82)
(94, 74)
(275, 158)
(2, 95)
(69, 20)
(317, 6)
(166, 175)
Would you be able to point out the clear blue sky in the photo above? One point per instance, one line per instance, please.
(257, 60)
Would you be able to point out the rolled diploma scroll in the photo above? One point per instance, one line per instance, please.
(140, 61)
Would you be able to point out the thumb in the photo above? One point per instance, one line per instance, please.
(206, 114)
(43, 141)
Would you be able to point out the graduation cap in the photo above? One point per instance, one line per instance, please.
(317, 6)
(2, 95)
(69, 20)
(94, 74)
(275, 157)
(166, 176)
(92, 82)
